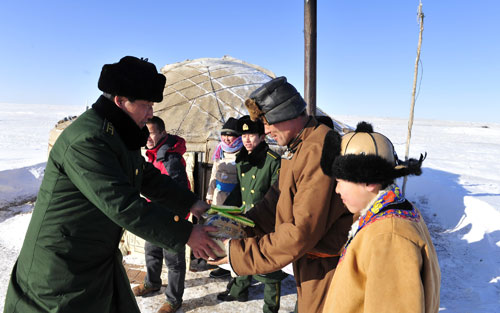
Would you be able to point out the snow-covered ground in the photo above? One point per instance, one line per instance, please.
(459, 195)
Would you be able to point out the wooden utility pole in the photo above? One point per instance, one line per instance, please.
(310, 56)
(420, 16)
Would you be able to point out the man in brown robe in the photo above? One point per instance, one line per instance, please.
(307, 224)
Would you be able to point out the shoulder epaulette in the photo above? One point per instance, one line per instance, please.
(273, 154)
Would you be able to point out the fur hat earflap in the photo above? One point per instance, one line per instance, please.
(410, 167)
(331, 150)
(254, 111)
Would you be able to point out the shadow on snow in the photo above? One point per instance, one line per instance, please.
(470, 271)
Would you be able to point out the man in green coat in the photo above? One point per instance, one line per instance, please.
(258, 169)
(70, 261)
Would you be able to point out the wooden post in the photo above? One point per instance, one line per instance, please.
(310, 56)
(415, 75)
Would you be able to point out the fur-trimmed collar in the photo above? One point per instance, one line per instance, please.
(257, 157)
(133, 136)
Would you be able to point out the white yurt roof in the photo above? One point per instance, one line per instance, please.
(200, 95)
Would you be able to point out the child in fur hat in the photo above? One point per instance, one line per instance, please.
(388, 263)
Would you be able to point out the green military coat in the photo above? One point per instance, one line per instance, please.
(70, 261)
(257, 172)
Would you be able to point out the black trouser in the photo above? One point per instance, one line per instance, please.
(176, 264)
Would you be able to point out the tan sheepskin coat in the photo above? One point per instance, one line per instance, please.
(390, 266)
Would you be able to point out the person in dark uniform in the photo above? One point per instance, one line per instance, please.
(91, 192)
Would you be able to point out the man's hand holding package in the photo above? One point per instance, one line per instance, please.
(201, 244)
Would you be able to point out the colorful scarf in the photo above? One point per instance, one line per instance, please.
(223, 147)
(378, 210)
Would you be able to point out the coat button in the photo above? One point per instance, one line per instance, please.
(242, 188)
(252, 191)
(176, 218)
(242, 174)
(136, 171)
(244, 202)
(253, 176)
(252, 205)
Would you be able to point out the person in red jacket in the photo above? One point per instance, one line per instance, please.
(165, 152)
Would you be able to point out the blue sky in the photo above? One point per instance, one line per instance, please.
(52, 52)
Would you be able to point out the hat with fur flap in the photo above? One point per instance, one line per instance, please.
(364, 156)
(132, 77)
(275, 101)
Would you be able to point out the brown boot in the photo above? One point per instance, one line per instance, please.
(168, 307)
(143, 290)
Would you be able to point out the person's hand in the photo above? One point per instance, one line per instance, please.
(219, 261)
(223, 260)
(209, 201)
(201, 244)
(198, 208)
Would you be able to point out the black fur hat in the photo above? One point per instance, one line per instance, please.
(366, 157)
(134, 78)
(275, 101)
(247, 126)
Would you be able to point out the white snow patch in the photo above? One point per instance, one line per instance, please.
(482, 217)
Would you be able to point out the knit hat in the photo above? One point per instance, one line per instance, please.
(364, 156)
(275, 101)
(230, 127)
(132, 77)
(247, 126)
